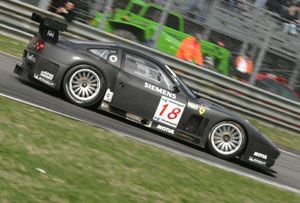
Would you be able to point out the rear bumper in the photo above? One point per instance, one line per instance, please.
(18, 69)
(22, 72)
(38, 69)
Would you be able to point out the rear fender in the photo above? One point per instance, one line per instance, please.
(107, 72)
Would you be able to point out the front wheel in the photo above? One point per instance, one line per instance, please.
(84, 85)
(227, 139)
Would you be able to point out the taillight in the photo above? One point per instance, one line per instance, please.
(39, 45)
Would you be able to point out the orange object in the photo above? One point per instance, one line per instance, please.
(247, 67)
(190, 50)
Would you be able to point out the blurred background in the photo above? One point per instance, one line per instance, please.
(255, 41)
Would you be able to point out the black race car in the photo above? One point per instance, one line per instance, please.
(140, 88)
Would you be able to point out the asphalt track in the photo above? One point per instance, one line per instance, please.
(287, 166)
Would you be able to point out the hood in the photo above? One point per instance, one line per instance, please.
(216, 107)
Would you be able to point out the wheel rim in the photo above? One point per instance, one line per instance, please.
(226, 138)
(84, 85)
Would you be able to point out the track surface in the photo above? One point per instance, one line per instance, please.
(287, 166)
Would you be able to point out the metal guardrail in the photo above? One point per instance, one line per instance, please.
(245, 28)
(240, 97)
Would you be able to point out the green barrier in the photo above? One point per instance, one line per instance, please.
(139, 21)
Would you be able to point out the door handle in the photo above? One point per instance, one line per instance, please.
(121, 84)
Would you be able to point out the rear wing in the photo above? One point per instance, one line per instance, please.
(49, 28)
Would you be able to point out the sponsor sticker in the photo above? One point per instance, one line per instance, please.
(51, 33)
(194, 106)
(202, 109)
(113, 58)
(169, 111)
(258, 161)
(43, 80)
(165, 129)
(31, 57)
(47, 75)
(159, 90)
(108, 95)
(260, 155)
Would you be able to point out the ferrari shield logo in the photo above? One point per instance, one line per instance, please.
(202, 110)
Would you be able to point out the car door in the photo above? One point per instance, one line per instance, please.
(143, 88)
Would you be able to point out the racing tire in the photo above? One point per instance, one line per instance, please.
(126, 34)
(227, 139)
(84, 85)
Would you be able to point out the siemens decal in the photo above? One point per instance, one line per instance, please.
(160, 90)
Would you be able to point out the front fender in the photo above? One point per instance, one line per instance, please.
(260, 150)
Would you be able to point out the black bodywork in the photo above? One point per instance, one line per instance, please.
(137, 98)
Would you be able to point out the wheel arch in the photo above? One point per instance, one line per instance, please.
(74, 68)
(81, 63)
(241, 124)
(139, 32)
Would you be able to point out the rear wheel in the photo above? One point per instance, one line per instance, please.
(84, 85)
(126, 34)
(227, 139)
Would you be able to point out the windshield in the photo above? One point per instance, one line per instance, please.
(179, 82)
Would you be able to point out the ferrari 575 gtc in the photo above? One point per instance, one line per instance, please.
(138, 87)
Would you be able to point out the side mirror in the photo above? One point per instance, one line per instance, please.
(158, 78)
(175, 89)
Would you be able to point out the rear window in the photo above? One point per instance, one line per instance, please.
(103, 53)
(153, 14)
(136, 9)
(172, 22)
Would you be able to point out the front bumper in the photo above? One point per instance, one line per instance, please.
(260, 155)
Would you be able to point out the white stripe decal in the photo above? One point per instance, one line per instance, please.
(285, 187)
(6, 55)
(289, 153)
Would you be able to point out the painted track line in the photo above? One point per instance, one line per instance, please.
(289, 153)
(278, 185)
(9, 56)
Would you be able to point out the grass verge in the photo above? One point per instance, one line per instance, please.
(49, 158)
(12, 46)
(283, 138)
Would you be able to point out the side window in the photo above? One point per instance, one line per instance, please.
(147, 70)
(136, 9)
(153, 14)
(191, 27)
(172, 22)
(103, 53)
